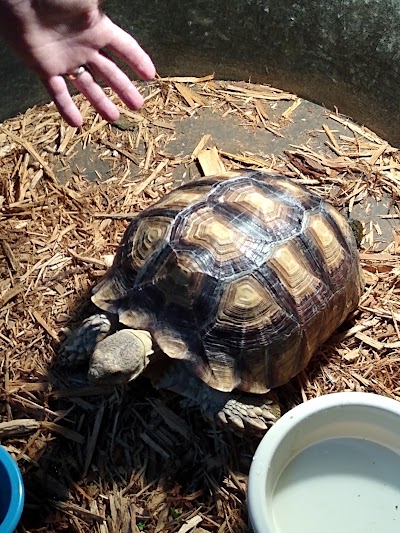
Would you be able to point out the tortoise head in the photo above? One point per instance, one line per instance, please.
(121, 357)
(358, 230)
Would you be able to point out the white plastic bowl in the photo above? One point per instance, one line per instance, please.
(330, 465)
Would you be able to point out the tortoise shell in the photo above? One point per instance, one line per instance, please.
(242, 275)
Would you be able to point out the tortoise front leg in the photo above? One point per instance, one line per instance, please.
(79, 346)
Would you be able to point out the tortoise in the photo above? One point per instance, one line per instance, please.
(222, 291)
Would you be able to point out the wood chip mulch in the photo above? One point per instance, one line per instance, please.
(131, 459)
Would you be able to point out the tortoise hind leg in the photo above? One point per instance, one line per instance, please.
(78, 347)
(237, 411)
(252, 412)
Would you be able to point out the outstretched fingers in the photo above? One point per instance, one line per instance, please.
(126, 48)
(119, 82)
(89, 87)
(58, 90)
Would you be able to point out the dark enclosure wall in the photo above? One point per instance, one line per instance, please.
(343, 53)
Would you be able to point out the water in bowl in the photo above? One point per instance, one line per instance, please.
(341, 485)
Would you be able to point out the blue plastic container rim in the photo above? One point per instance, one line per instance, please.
(17, 496)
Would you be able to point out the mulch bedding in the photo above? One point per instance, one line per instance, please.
(130, 458)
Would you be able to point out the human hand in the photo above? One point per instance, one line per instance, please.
(55, 37)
